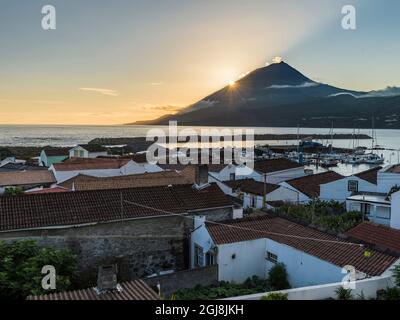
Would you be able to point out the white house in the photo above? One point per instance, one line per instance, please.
(228, 172)
(380, 206)
(309, 187)
(276, 171)
(100, 168)
(388, 178)
(88, 151)
(251, 192)
(49, 156)
(340, 190)
(251, 247)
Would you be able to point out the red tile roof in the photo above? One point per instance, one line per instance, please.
(251, 186)
(310, 185)
(273, 165)
(370, 175)
(26, 178)
(49, 190)
(384, 238)
(164, 178)
(319, 244)
(75, 164)
(81, 207)
(133, 290)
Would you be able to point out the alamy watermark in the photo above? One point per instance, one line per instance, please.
(349, 20)
(49, 280)
(49, 21)
(206, 146)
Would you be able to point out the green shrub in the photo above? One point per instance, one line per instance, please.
(275, 296)
(13, 191)
(223, 290)
(329, 215)
(21, 263)
(278, 277)
(391, 294)
(396, 274)
(343, 294)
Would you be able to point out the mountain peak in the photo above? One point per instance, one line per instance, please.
(275, 74)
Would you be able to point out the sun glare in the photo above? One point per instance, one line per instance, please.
(232, 83)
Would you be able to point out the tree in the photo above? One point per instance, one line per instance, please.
(21, 264)
(278, 277)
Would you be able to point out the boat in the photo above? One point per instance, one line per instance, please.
(329, 163)
(374, 159)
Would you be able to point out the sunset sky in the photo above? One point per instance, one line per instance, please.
(113, 62)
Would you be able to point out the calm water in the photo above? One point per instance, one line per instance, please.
(11, 135)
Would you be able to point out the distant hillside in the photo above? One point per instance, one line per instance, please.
(281, 96)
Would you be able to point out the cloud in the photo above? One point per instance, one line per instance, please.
(304, 85)
(106, 92)
(277, 59)
(167, 108)
(388, 92)
(384, 93)
(343, 94)
(156, 84)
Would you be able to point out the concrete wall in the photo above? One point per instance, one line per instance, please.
(338, 190)
(187, 279)
(241, 260)
(367, 287)
(395, 219)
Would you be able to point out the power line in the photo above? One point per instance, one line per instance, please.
(183, 215)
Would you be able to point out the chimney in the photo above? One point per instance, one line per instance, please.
(201, 176)
(107, 279)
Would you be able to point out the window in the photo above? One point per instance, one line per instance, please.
(232, 177)
(365, 208)
(272, 257)
(198, 256)
(352, 185)
(383, 212)
(253, 200)
(78, 153)
(210, 259)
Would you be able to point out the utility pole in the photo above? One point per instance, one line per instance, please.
(265, 191)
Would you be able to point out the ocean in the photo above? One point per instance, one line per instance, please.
(66, 136)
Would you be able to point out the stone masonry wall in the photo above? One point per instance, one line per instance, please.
(140, 247)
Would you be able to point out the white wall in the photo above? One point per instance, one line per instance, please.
(338, 190)
(379, 213)
(249, 261)
(303, 269)
(241, 172)
(387, 180)
(128, 169)
(300, 197)
(280, 176)
(395, 219)
(367, 287)
(201, 237)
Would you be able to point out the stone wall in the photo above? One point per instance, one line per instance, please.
(140, 247)
(170, 283)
